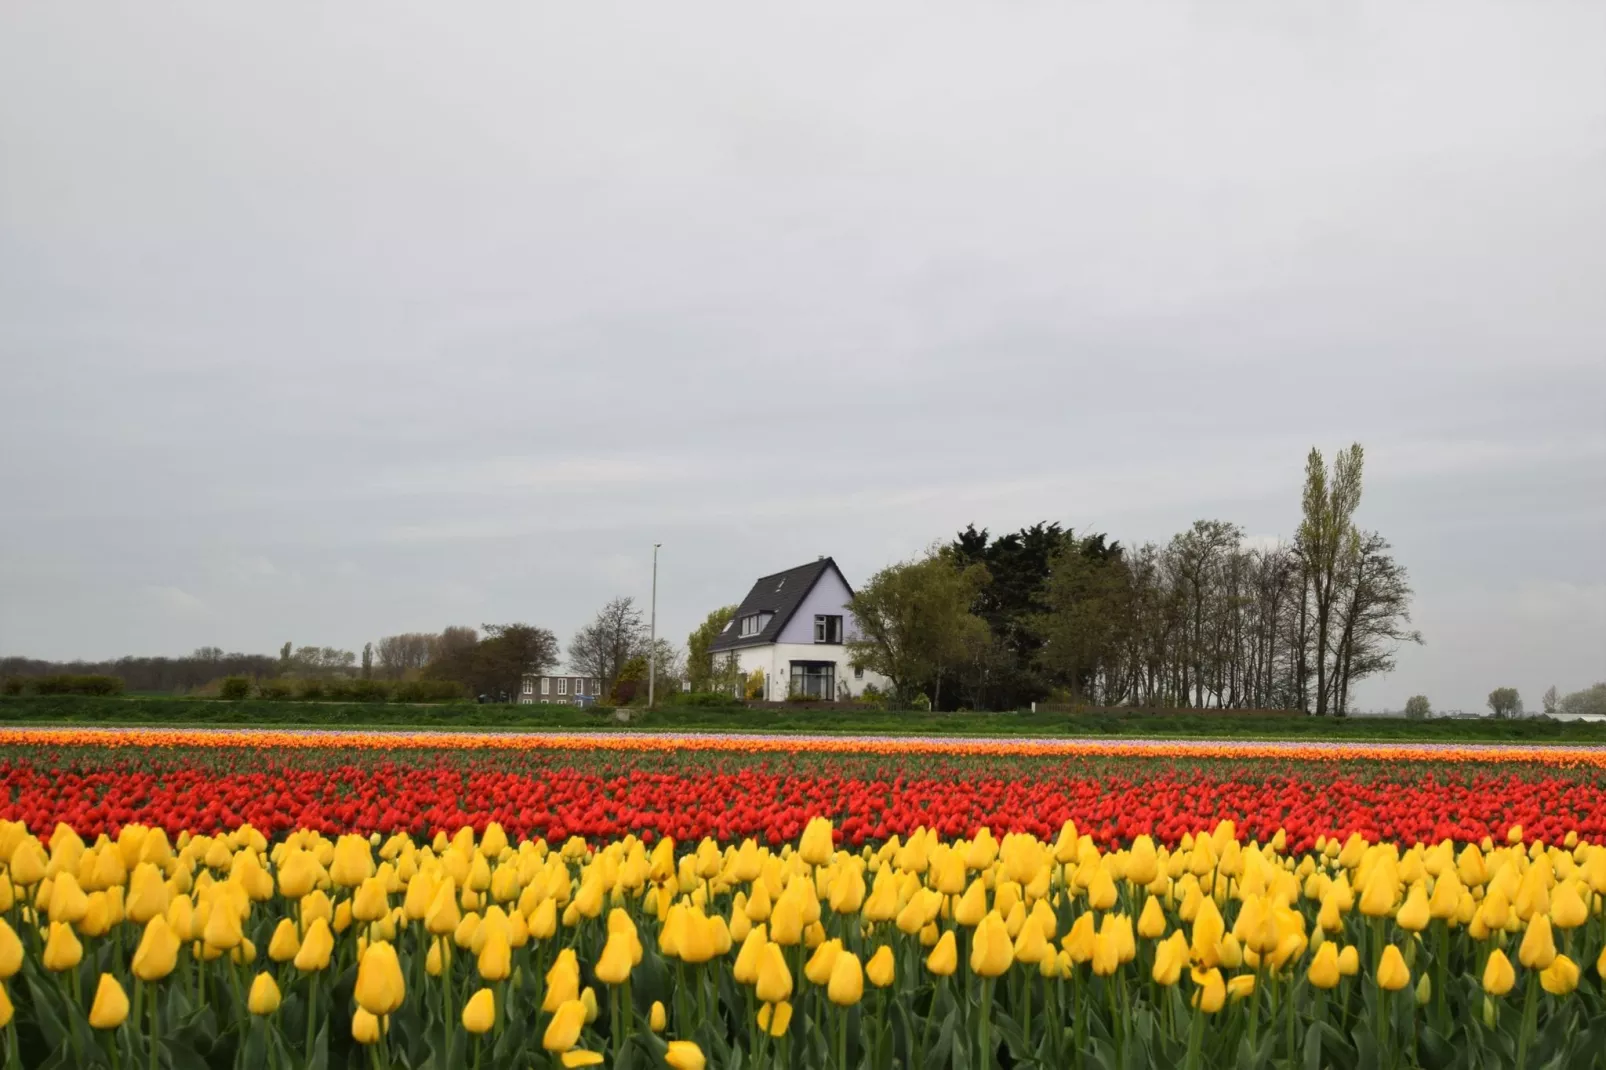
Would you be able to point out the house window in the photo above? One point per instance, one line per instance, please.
(563, 685)
(529, 686)
(754, 623)
(579, 687)
(827, 629)
(858, 672)
(815, 679)
(546, 685)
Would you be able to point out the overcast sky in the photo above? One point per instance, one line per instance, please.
(324, 321)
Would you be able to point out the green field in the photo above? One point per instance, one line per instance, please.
(137, 710)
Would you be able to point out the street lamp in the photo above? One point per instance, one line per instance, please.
(652, 631)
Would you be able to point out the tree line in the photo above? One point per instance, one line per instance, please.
(1203, 620)
(490, 661)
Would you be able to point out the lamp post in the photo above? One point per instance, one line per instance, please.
(652, 632)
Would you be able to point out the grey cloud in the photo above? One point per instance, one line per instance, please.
(446, 316)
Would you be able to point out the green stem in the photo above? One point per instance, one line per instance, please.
(842, 1037)
(986, 1029)
(613, 1021)
(1530, 1011)
(156, 1031)
(1440, 983)
(312, 1014)
(1195, 1036)
(446, 992)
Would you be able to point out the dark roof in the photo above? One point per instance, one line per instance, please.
(779, 594)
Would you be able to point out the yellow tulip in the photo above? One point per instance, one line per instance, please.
(1210, 992)
(366, 1027)
(1415, 913)
(285, 943)
(881, 969)
(1151, 922)
(1538, 948)
(1240, 986)
(563, 1032)
(62, 949)
(847, 980)
(479, 1013)
(562, 981)
(353, 862)
(1170, 955)
(264, 996)
(818, 968)
(316, 945)
(774, 979)
(580, 1057)
(613, 967)
(745, 969)
(684, 1055)
(1560, 977)
(944, 957)
(1078, 943)
(381, 988)
(110, 1008)
(443, 916)
(1498, 976)
(7, 1011)
(1208, 929)
(495, 961)
(157, 953)
(1392, 973)
(10, 951)
(1349, 961)
(992, 952)
(657, 1017)
(774, 1018)
(816, 846)
(148, 894)
(1567, 908)
(1323, 971)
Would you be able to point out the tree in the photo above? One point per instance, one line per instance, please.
(1372, 618)
(1550, 700)
(700, 668)
(284, 657)
(316, 662)
(1005, 672)
(1417, 708)
(1325, 540)
(915, 621)
(1086, 616)
(509, 651)
(367, 661)
(408, 653)
(1590, 702)
(1505, 702)
(602, 647)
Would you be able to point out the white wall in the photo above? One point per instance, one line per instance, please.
(776, 661)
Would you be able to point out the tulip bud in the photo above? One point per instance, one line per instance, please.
(684, 1055)
(775, 1018)
(657, 1017)
(846, 981)
(62, 949)
(381, 988)
(1560, 977)
(1498, 976)
(264, 996)
(881, 969)
(10, 951)
(944, 957)
(563, 1032)
(316, 945)
(774, 979)
(479, 1013)
(365, 1027)
(157, 953)
(110, 1008)
(1392, 973)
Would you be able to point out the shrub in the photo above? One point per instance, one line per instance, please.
(428, 691)
(1417, 708)
(234, 688)
(277, 689)
(920, 702)
(367, 690)
(12, 685)
(309, 689)
(65, 684)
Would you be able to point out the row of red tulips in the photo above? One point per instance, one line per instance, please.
(96, 792)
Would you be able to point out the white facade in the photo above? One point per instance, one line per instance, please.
(776, 660)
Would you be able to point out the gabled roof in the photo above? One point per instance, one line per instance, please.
(779, 594)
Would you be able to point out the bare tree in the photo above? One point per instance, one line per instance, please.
(602, 647)
(1372, 618)
(406, 653)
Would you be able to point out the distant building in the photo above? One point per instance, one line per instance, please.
(565, 690)
(793, 625)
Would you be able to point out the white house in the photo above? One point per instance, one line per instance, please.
(792, 625)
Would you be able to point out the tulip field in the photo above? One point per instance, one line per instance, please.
(208, 899)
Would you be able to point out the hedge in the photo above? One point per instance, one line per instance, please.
(78, 709)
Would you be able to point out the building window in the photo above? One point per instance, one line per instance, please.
(529, 686)
(814, 679)
(563, 685)
(858, 672)
(827, 629)
(579, 687)
(546, 685)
